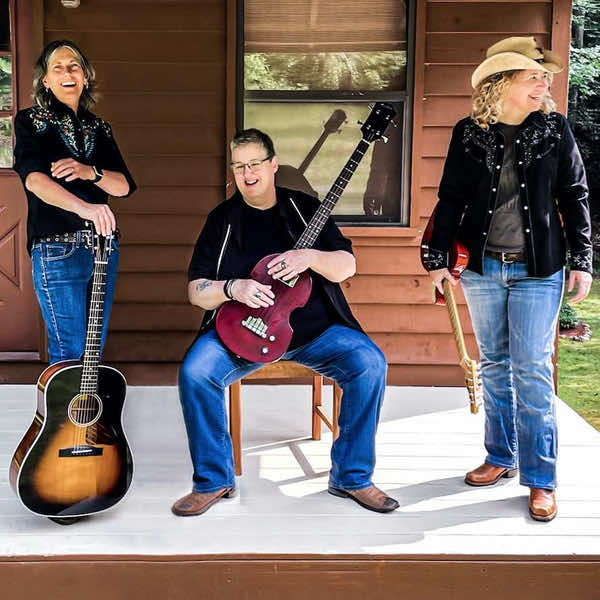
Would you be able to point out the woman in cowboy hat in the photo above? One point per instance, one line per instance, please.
(514, 192)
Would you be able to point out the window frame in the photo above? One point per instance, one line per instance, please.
(405, 97)
(13, 56)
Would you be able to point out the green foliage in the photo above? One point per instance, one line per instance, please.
(5, 66)
(6, 151)
(567, 317)
(584, 72)
(578, 363)
(585, 14)
(5, 83)
(325, 71)
(584, 93)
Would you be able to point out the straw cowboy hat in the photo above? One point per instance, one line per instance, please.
(515, 53)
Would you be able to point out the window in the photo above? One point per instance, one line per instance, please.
(310, 70)
(6, 84)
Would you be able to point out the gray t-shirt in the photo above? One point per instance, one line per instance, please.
(506, 230)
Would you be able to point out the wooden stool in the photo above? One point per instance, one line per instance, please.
(283, 370)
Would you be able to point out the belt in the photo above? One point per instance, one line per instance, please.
(508, 257)
(83, 236)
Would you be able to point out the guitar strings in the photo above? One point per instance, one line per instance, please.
(87, 402)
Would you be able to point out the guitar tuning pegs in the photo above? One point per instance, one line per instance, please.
(394, 124)
(385, 139)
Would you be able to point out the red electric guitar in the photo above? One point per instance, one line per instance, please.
(263, 335)
(458, 258)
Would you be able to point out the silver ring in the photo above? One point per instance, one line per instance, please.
(283, 265)
(258, 295)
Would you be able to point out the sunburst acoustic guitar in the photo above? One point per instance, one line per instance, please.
(74, 460)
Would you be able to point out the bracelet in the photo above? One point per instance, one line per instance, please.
(227, 288)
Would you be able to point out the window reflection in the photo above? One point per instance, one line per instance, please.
(313, 142)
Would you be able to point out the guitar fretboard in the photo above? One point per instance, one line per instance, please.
(308, 238)
(91, 357)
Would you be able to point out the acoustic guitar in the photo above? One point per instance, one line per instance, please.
(74, 459)
(458, 259)
(263, 335)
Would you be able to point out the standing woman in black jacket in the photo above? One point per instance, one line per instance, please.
(69, 163)
(514, 192)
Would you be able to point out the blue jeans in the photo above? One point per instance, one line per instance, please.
(514, 318)
(343, 354)
(62, 279)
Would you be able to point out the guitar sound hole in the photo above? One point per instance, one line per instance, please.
(85, 409)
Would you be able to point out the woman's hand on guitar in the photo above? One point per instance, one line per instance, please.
(438, 276)
(101, 215)
(582, 280)
(288, 265)
(252, 293)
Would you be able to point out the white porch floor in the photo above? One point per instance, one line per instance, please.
(427, 440)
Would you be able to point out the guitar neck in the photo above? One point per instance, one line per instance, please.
(457, 330)
(313, 152)
(91, 357)
(307, 239)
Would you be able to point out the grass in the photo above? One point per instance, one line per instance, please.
(579, 363)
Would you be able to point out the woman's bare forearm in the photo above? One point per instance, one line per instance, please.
(53, 193)
(113, 183)
(206, 293)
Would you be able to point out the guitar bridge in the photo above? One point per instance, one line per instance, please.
(77, 451)
(256, 325)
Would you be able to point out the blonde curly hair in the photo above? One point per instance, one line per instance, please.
(486, 102)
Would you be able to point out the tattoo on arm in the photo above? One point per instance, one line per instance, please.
(202, 285)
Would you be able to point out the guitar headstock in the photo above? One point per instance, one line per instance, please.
(473, 383)
(380, 117)
(101, 245)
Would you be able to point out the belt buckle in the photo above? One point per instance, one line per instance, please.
(507, 260)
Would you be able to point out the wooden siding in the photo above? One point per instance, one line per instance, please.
(167, 73)
(451, 39)
(161, 65)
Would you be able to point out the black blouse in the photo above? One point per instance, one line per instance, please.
(45, 135)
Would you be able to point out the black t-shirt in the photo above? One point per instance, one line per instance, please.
(506, 230)
(264, 234)
(45, 135)
(230, 245)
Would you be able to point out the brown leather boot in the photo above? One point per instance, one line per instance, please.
(542, 504)
(197, 503)
(488, 475)
(371, 498)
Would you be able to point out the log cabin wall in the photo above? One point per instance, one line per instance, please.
(391, 294)
(162, 71)
(167, 74)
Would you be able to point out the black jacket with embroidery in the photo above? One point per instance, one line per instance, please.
(219, 248)
(45, 135)
(553, 194)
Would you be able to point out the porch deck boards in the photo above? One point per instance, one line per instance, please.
(427, 440)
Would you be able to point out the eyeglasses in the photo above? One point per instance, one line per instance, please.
(253, 165)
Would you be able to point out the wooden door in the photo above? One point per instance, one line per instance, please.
(19, 321)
